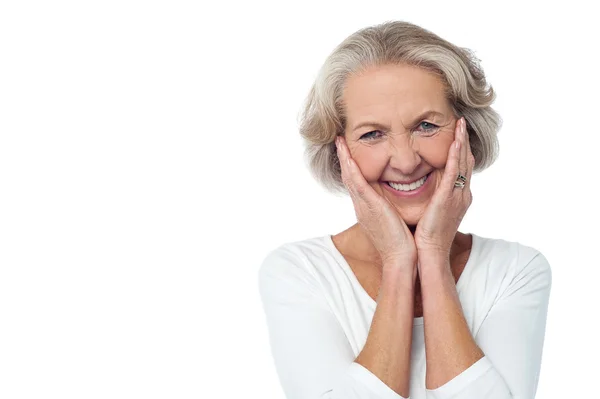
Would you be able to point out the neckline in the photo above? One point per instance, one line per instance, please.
(416, 320)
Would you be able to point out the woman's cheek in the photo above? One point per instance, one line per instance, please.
(435, 152)
(371, 163)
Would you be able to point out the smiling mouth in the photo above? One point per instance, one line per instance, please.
(409, 187)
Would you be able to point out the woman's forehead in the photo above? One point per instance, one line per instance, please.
(400, 84)
(385, 95)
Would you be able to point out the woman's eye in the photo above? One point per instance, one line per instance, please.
(424, 127)
(370, 135)
(428, 128)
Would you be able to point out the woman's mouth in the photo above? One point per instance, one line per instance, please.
(411, 189)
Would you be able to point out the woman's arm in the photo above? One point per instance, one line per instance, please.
(503, 360)
(311, 352)
(449, 346)
(388, 347)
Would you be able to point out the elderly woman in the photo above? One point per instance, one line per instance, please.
(401, 303)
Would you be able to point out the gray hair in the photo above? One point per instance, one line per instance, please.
(323, 115)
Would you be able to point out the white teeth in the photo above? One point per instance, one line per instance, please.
(408, 187)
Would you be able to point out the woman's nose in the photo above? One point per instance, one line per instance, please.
(404, 155)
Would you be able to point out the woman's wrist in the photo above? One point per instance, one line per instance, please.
(402, 272)
(433, 259)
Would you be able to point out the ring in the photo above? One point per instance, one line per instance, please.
(460, 181)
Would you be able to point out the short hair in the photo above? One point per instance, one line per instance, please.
(396, 42)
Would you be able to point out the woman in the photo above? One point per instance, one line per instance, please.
(402, 304)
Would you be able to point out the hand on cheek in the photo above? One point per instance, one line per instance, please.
(438, 226)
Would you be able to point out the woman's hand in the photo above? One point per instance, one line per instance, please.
(437, 227)
(377, 217)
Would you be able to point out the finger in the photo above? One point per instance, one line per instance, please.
(346, 176)
(470, 158)
(462, 165)
(451, 169)
(346, 179)
(343, 162)
(354, 177)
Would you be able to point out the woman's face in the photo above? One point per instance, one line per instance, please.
(399, 128)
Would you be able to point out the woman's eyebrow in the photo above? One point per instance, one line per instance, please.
(384, 127)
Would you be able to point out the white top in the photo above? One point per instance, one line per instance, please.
(318, 318)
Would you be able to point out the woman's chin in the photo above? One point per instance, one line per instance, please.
(410, 216)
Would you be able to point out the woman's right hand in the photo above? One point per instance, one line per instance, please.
(376, 215)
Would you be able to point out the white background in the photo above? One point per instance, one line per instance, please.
(150, 158)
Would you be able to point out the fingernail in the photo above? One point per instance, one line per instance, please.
(457, 145)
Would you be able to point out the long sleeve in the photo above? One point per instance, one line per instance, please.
(512, 339)
(312, 356)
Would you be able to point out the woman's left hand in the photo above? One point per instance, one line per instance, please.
(437, 227)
